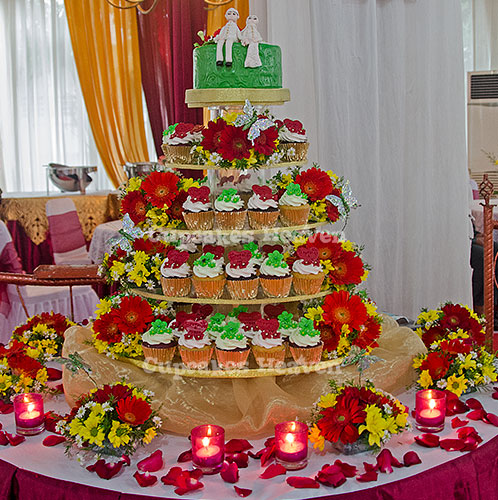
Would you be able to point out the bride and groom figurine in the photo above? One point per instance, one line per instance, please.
(231, 33)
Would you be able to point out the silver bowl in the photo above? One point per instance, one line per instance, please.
(140, 168)
(69, 179)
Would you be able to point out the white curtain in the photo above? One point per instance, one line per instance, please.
(378, 84)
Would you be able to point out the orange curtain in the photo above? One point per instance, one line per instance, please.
(105, 46)
(216, 17)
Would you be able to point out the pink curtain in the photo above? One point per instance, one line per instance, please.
(166, 37)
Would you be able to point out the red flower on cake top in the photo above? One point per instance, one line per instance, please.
(233, 144)
(315, 183)
(135, 205)
(266, 142)
(212, 135)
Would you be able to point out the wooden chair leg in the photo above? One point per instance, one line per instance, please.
(72, 303)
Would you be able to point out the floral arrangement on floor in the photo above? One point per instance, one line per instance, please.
(43, 335)
(112, 420)
(139, 266)
(356, 413)
(330, 196)
(20, 371)
(457, 359)
(120, 321)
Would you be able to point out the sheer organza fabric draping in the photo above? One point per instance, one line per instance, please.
(246, 408)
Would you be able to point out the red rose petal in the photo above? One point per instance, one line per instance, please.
(185, 456)
(51, 419)
(331, 475)
(411, 458)
(59, 389)
(54, 374)
(302, 482)
(495, 394)
(456, 422)
(6, 408)
(370, 467)
(105, 470)
(347, 470)
(152, 463)
(241, 459)
(14, 440)
(1, 426)
(229, 472)
(270, 442)
(455, 406)
(242, 492)
(386, 461)
(367, 477)
(470, 443)
(492, 419)
(272, 471)
(474, 404)
(172, 475)
(3, 439)
(268, 455)
(237, 446)
(145, 479)
(125, 459)
(188, 481)
(476, 415)
(427, 440)
(256, 455)
(452, 444)
(53, 440)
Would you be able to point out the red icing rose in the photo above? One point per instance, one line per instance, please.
(199, 194)
(264, 192)
(239, 260)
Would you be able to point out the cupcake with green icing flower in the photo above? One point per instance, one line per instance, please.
(294, 206)
(208, 277)
(287, 326)
(275, 275)
(159, 343)
(305, 343)
(232, 349)
(257, 257)
(230, 212)
(216, 323)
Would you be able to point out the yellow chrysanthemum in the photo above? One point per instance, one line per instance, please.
(134, 184)
(490, 372)
(33, 353)
(327, 400)
(459, 334)
(332, 176)
(428, 316)
(119, 434)
(159, 218)
(425, 379)
(231, 117)
(457, 385)
(140, 257)
(91, 430)
(391, 425)
(138, 274)
(314, 313)
(365, 274)
(117, 269)
(327, 266)
(374, 425)
(343, 347)
(150, 434)
(316, 438)
(75, 427)
(417, 362)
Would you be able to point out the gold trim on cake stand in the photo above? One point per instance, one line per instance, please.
(192, 166)
(205, 98)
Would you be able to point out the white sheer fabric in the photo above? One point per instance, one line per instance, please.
(379, 87)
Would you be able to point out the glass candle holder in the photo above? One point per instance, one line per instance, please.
(29, 414)
(430, 410)
(291, 445)
(208, 448)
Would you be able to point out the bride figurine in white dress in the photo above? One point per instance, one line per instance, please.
(250, 36)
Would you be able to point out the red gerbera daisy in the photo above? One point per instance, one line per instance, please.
(117, 255)
(211, 135)
(134, 315)
(337, 423)
(234, 144)
(266, 142)
(476, 331)
(455, 316)
(437, 364)
(133, 411)
(106, 328)
(176, 209)
(315, 183)
(342, 308)
(161, 188)
(368, 335)
(135, 206)
(433, 334)
(54, 320)
(332, 212)
(150, 247)
(328, 245)
(329, 337)
(456, 346)
(117, 391)
(348, 268)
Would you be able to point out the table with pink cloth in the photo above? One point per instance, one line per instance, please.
(31, 471)
(102, 239)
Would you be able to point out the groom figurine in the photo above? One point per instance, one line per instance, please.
(228, 34)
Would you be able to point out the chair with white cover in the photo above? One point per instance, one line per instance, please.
(18, 302)
(66, 235)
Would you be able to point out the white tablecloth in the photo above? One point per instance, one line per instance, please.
(100, 240)
(477, 213)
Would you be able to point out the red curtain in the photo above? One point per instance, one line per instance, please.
(166, 37)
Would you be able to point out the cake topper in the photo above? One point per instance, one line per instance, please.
(202, 311)
(269, 328)
(250, 319)
(239, 260)
(195, 329)
(286, 320)
(273, 310)
(182, 317)
(205, 260)
(216, 250)
(264, 192)
(176, 258)
(309, 256)
(200, 194)
(276, 260)
(228, 34)
(251, 38)
(268, 249)
(158, 327)
(252, 246)
(294, 126)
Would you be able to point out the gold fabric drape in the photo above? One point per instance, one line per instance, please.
(105, 46)
(216, 17)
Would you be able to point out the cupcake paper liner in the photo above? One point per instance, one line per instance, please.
(176, 287)
(158, 356)
(307, 355)
(294, 216)
(307, 284)
(230, 220)
(276, 287)
(269, 358)
(196, 359)
(300, 150)
(262, 220)
(199, 220)
(209, 288)
(177, 154)
(231, 360)
(243, 289)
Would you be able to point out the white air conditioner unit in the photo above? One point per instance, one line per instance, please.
(482, 124)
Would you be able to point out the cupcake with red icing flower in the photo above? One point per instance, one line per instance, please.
(242, 277)
(197, 209)
(268, 345)
(178, 140)
(262, 208)
(176, 274)
(249, 323)
(195, 345)
(293, 141)
(307, 271)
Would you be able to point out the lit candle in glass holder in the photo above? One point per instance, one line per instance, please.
(208, 448)
(430, 410)
(29, 414)
(291, 445)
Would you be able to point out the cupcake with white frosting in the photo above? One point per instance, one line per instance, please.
(305, 344)
(242, 277)
(176, 274)
(194, 345)
(268, 345)
(275, 275)
(208, 277)
(307, 271)
(294, 206)
(178, 140)
(216, 323)
(249, 323)
(197, 209)
(229, 210)
(159, 343)
(262, 208)
(293, 141)
(232, 349)
(257, 257)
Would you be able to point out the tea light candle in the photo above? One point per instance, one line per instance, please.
(208, 448)
(29, 414)
(291, 445)
(430, 410)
